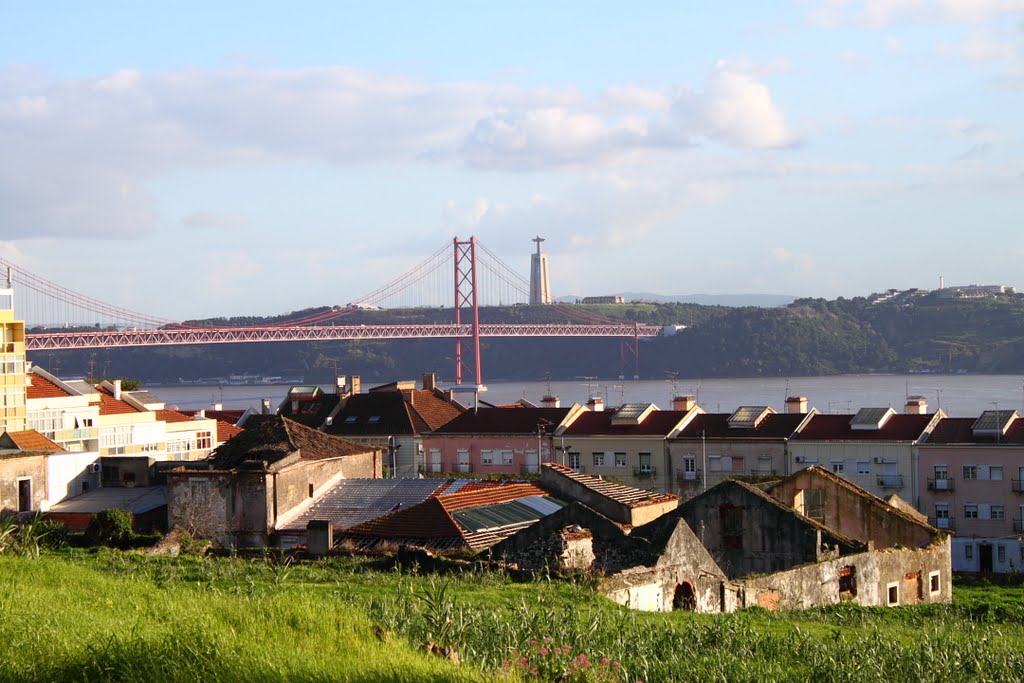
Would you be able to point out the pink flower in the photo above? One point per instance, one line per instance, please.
(533, 643)
(543, 651)
(616, 664)
(604, 660)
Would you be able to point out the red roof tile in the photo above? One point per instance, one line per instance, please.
(899, 427)
(657, 423)
(31, 440)
(716, 426)
(959, 430)
(43, 388)
(172, 416)
(112, 406)
(226, 431)
(505, 421)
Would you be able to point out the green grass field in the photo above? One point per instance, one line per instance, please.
(123, 616)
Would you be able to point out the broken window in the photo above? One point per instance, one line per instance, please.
(814, 502)
(933, 582)
(848, 581)
(731, 520)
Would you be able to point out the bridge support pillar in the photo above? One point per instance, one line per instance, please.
(466, 297)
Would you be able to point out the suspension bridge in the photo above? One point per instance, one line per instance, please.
(463, 275)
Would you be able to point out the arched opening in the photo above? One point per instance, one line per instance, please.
(685, 597)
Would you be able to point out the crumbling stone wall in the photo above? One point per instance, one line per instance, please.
(919, 575)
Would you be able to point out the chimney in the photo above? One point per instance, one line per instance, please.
(339, 385)
(550, 402)
(265, 407)
(596, 404)
(409, 395)
(200, 414)
(117, 389)
(429, 381)
(683, 403)
(354, 385)
(217, 406)
(796, 405)
(916, 405)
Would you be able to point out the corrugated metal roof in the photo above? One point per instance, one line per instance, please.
(501, 515)
(134, 500)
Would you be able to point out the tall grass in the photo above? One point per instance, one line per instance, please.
(124, 616)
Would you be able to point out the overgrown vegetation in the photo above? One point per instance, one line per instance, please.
(127, 616)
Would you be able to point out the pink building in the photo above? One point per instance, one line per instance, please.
(496, 440)
(971, 470)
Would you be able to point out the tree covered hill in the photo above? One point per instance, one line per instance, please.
(807, 337)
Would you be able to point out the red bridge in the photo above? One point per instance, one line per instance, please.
(125, 328)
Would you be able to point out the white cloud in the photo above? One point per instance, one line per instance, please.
(735, 109)
(78, 154)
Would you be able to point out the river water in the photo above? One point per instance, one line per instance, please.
(957, 395)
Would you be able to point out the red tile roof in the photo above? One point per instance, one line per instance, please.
(627, 495)
(505, 421)
(226, 430)
(43, 388)
(276, 439)
(952, 430)
(31, 440)
(429, 411)
(657, 423)
(172, 416)
(716, 426)
(899, 427)
(110, 405)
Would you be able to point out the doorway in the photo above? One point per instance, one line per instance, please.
(24, 495)
(984, 557)
(684, 597)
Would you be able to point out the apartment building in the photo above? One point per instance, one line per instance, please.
(875, 448)
(972, 470)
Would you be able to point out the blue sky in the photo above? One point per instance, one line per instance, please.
(199, 159)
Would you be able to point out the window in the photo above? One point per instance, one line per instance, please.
(969, 551)
(620, 459)
(970, 511)
(934, 584)
(598, 459)
(815, 504)
(1001, 553)
(997, 512)
(150, 447)
(506, 457)
(863, 467)
(645, 462)
(204, 440)
(731, 519)
(848, 581)
(574, 461)
(970, 471)
(487, 457)
(839, 467)
(893, 594)
(995, 472)
(374, 418)
(941, 472)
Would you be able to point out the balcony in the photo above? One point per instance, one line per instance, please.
(1018, 525)
(890, 481)
(645, 471)
(1017, 485)
(684, 476)
(940, 484)
(463, 467)
(944, 523)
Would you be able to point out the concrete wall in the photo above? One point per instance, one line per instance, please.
(749, 535)
(66, 474)
(910, 570)
(748, 457)
(851, 514)
(659, 479)
(17, 468)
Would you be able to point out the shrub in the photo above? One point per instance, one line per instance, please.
(111, 527)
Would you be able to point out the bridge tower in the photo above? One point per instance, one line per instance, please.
(466, 297)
